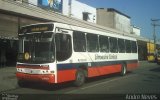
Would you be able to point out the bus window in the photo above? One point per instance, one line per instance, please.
(134, 47)
(121, 46)
(103, 43)
(113, 45)
(92, 43)
(79, 41)
(63, 46)
(128, 46)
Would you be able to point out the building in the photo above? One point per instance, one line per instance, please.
(76, 9)
(135, 30)
(31, 11)
(71, 8)
(112, 18)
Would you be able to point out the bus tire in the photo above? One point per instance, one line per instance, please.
(20, 83)
(80, 78)
(123, 69)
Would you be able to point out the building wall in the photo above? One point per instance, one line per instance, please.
(33, 2)
(75, 9)
(105, 18)
(135, 30)
(113, 19)
(66, 7)
(9, 24)
(122, 23)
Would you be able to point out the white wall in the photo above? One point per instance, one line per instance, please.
(122, 23)
(135, 30)
(34, 2)
(77, 9)
(65, 7)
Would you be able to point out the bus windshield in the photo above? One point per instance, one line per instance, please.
(37, 48)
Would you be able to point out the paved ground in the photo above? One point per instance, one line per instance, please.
(7, 78)
(143, 83)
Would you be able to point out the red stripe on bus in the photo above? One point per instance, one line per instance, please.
(97, 71)
(66, 75)
(47, 78)
(69, 75)
(34, 67)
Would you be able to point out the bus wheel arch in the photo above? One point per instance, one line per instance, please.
(80, 77)
(84, 68)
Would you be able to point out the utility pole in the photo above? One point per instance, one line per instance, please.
(154, 24)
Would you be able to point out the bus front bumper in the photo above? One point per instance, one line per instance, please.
(44, 78)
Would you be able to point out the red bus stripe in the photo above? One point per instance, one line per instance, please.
(47, 78)
(104, 70)
(66, 75)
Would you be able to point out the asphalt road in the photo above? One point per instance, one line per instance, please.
(142, 83)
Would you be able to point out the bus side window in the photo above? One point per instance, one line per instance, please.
(128, 46)
(121, 46)
(134, 46)
(63, 46)
(104, 44)
(79, 41)
(113, 45)
(92, 42)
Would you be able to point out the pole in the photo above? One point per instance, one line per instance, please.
(154, 21)
(154, 36)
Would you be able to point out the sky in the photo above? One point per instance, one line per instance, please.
(140, 11)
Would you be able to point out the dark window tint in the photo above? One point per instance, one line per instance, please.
(128, 46)
(92, 42)
(79, 41)
(103, 43)
(63, 46)
(121, 45)
(134, 46)
(113, 44)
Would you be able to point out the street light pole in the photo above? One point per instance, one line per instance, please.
(154, 24)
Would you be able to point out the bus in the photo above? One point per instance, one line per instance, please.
(54, 53)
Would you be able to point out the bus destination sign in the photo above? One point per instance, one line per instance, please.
(37, 28)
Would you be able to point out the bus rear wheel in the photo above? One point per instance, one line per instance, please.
(80, 78)
(123, 69)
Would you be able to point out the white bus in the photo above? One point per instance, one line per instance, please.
(55, 53)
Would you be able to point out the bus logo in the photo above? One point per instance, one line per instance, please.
(26, 56)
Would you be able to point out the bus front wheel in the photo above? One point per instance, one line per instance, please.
(21, 83)
(80, 78)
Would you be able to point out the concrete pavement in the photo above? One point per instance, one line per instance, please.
(7, 78)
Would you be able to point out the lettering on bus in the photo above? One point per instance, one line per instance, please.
(105, 57)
